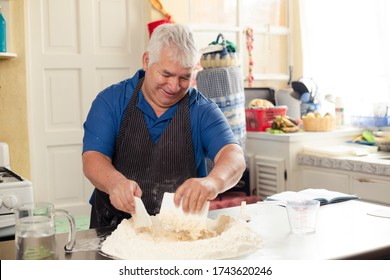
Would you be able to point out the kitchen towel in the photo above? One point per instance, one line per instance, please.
(225, 87)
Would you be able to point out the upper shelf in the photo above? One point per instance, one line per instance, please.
(7, 55)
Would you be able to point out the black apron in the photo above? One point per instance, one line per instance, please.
(157, 168)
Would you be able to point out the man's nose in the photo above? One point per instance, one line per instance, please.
(174, 84)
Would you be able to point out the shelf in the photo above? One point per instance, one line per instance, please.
(7, 55)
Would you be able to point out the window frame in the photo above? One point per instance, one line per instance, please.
(240, 31)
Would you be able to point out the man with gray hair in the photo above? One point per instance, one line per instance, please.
(151, 134)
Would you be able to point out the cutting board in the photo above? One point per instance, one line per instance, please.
(339, 150)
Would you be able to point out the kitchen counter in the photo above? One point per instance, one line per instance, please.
(344, 231)
(87, 242)
(280, 151)
(374, 164)
(345, 133)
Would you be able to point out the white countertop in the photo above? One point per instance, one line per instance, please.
(374, 164)
(344, 231)
(348, 132)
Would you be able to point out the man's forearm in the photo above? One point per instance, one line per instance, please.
(229, 167)
(100, 171)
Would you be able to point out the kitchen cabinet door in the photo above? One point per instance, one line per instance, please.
(323, 179)
(371, 188)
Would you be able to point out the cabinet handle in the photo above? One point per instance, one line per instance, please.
(364, 180)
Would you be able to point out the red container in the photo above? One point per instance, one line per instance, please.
(262, 118)
(154, 24)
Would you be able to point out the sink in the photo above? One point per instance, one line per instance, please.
(379, 156)
(386, 157)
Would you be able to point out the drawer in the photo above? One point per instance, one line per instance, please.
(371, 189)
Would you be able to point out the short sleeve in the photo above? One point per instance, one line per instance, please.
(215, 129)
(104, 118)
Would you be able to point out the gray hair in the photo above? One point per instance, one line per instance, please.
(179, 39)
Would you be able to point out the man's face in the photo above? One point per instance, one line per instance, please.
(165, 83)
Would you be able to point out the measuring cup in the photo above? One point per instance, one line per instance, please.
(35, 231)
(302, 215)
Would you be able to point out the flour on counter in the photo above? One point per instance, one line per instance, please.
(222, 238)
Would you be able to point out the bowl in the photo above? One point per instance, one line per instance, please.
(319, 123)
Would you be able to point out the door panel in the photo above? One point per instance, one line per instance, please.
(76, 48)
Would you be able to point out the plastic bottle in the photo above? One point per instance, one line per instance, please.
(3, 42)
(339, 108)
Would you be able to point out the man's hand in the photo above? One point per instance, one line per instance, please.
(194, 193)
(122, 195)
(229, 165)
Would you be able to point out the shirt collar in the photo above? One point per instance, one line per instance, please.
(145, 107)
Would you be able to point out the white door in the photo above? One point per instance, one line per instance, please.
(75, 48)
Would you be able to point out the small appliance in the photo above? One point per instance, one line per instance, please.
(284, 97)
(300, 98)
(14, 191)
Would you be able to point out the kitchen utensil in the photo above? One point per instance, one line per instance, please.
(285, 97)
(168, 207)
(299, 87)
(302, 215)
(158, 6)
(305, 85)
(296, 95)
(141, 216)
(244, 212)
(305, 97)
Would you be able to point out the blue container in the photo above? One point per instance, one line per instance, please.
(308, 107)
(363, 121)
(3, 41)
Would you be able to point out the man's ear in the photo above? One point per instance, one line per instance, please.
(145, 60)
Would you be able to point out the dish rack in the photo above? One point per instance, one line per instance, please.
(366, 121)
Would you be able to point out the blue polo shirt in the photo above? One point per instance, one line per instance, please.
(210, 129)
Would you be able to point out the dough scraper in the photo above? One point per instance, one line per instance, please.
(141, 216)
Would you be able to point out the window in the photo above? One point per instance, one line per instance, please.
(269, 20)
(345, 46)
